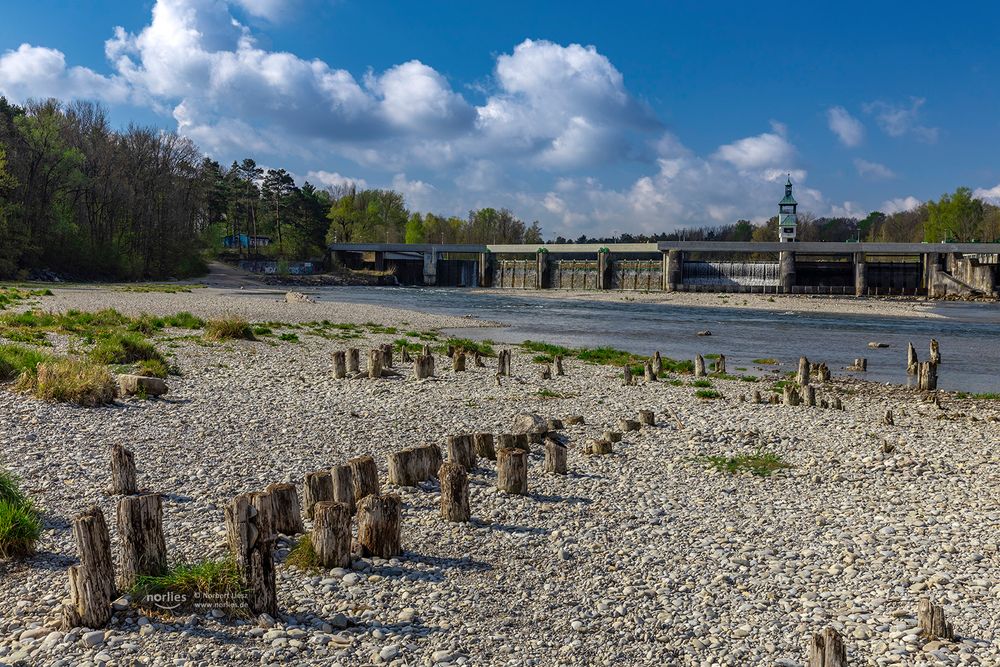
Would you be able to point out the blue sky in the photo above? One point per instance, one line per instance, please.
(589, 117)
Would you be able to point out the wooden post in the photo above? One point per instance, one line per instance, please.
(404, 354)
(483, 443)
(512, 471)
(410, 466)
(287, 515)
(911, 359)
(386, 355)
(555, 457)
(756, 397)
(318, 486)
(92, 582)
(627, 376)
(792, 396)
(331, 534)
(599, 447)
(353, 360)
(461, 450)
(657, 363)
(140, 529)
(647, 418)
(251, 541)
(927, 376)
(558, 360)
(930, 618)
(935, 352)
(339, 365)
(803, 376)
(699, 366)
(378, 526)
(809, 395)
(343, 485)
(647, 369)
(545, 373)
(454, 492)
(458, 361)
(374, 364)
(364, 475)
(503, 362)
(423, 366)
(627, 425)
(826, 649)
(122, 471)
(612, 436)
(477, 360)
(823, 373)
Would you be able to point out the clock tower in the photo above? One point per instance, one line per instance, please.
(787, 218)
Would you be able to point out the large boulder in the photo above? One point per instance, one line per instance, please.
(529, 422)
(130, 385)
(298, 297)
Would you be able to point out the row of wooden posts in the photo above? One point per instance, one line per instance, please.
(347, 363)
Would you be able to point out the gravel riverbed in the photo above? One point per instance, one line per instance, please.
(645, 556)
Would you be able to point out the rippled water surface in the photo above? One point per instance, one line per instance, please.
(969, 337)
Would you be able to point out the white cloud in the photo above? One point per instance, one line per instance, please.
(335, 180)
(991, 195)
(271, 10)
(764, 150)
(848, 209)
(899, 204)
(418, 193)
(39, 72)
(848, 129)
(874, 169)
(900, 120)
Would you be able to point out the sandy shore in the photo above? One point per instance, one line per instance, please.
(806, 303)
(644, 557)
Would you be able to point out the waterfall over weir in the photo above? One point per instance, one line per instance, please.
(744, 274)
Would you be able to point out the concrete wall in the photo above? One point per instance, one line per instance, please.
(980, 277)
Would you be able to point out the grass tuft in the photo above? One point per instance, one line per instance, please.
(16, 360)
(302, 555)
(69, 380)
(20, 522)
(207, 580)
(708, 393)
(124, 348)
(229, 328)
(760, 463)
(766, 362)
(470, 346)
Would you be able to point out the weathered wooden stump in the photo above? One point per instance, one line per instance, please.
(427, 350)
(331, 534)
(378, 526)
(413, 465)
(574, 420)
(343, 485)
(599, 447)
(860, 364)
(545, 372)
(251, 540)
(353, 360)
(454, 492)
(720, 364)
(339, 365)
(803, 375)
(122, 471)
(657, 363)
(699, 366)
(756, 396)
(558, 362)
(626, 425)
(477, 360)
(92, 582)
(140, 529)
(423, 366)
(512, 471)
(503, 363)
(554, 424)
(555, 457)
(364, 475)
(647, 418)
(927, 376)
(823, 373)
(887, 418)
(647, 371)
(317, 487)
(930, 618)
(791, 395)
(826, 649)
(627, 376)
(823, 403)
(483, 443)
(809, 395)
(506, 441)
(911, 359)
(386, 355)
(374, 364)
(285, 502)
(462, 450)
(935, 352)
(458, 361)
(836, 403)
(612, 436)
(404, 354)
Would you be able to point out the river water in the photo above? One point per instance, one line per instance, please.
(969, 336)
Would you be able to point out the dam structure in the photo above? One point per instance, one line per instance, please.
(933, 269)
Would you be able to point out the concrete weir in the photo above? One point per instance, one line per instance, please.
(936, 270)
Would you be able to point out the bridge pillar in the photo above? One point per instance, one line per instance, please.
(786, 260)
(604, 269)
(379, 260)
(486, 269)
(543, 278)
(673, 270)
(860, 274)
(430, 267)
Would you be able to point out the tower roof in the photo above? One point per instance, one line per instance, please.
(789, 199)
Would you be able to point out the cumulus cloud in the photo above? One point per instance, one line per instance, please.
(898, 120)
(991, 195)
(763, 150)
(899, 204)
(39, 72)
(874, 169)
(848, 129)
(335, 180)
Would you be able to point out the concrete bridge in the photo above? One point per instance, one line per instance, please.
(936, 269)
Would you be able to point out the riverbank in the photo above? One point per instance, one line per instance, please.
(647, 556)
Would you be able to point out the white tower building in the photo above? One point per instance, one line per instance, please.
(787, 218)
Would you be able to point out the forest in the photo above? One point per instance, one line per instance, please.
(84, 200)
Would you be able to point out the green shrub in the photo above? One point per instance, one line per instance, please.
(541, 359)
(470, 346)
(708, 393)
(219, 579)
(184, 320)
(156, 368)
(17, 359)
(766, 362)
(547, 349)
(701, 383)
(124, 348)
(760, 463)
(608, 356)
(69, 380)
(20, 522)
(146, 324)
(289, 337)
(229, 328)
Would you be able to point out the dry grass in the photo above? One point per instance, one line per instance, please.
(229, 328)
(70, 380)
